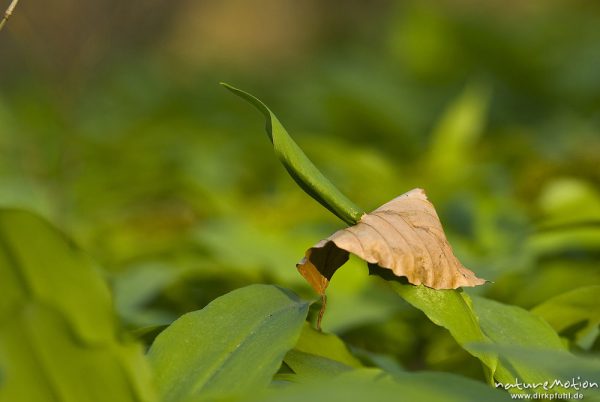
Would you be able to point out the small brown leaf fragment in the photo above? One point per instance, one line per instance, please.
(405, 235)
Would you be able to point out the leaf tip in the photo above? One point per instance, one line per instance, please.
(226, 85)
(252, 100)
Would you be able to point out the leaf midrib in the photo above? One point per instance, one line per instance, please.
(220, 363)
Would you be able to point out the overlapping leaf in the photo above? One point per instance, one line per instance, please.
(233, 345)
(473, 320)
(57, 323)
(375, 385)
(576, 311)
(580, 372)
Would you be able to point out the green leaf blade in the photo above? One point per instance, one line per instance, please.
(580, 306)
(511, 325)
(375, 385)
(325, 345)
(453, 310)
(477, 320)
(300, 167)
(556, 365)
(318, 355)
(57, 322)
(310, 367)
(236, 343)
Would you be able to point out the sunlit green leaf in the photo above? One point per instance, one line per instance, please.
(485, 321)
(566, 202)
(511, 325)
(578, 307)
(453, 310)
(58, 335)
(310, 367)
(318, 355)
(234, 344)
(302, 170)
(376, 385)
(325, 345)
(456, 133)
(556, 364)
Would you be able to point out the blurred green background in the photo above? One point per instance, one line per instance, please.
(114, 127)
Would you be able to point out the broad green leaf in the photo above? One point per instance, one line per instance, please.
(566, 202)
(44, 267)
(234, 344)
(375, 385)
(445, 387)
(485, 321)
(512, 325)
(319, 355)
(57, 322)
(42, 361)
(302, 170)
(453, 310)
(556, 364)
(310, 367)
(456, 133)
(325, 345)
(570, 212)
(579, 307)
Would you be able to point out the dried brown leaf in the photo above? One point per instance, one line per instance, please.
(405, 235)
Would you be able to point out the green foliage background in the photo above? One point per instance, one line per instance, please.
(113, 127)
